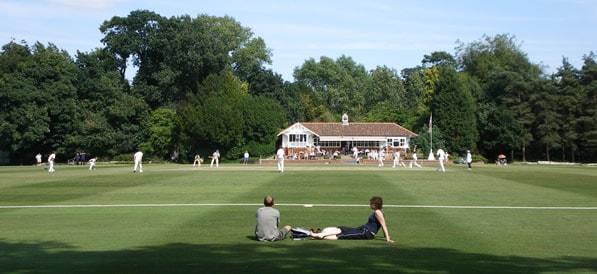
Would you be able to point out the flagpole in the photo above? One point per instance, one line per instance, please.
(431, 156)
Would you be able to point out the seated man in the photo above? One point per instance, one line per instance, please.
(268, 219)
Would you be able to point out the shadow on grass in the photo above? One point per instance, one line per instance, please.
(282, 257)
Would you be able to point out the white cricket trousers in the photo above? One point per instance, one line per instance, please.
(214, 160)
(281, 165)
(413, 162)
(139, 165)
(441, 166)
(51, 168)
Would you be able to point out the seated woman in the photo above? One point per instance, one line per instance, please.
(364, 232)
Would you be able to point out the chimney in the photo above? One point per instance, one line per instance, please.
(345, 119)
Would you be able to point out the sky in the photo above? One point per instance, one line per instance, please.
(396, 33)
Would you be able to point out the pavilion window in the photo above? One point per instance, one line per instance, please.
(399, 142)
(300, 138)
(333, 144)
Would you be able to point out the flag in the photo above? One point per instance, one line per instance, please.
(431, 123)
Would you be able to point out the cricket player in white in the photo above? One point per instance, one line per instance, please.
(280, 157)
(381, 157)
(51, 159)
(441, 157)
(414, 160)
(138, 159)
(246, 158)
(38, 159)
(92, 163)
(197, 161)
(355, 154)
(397, 161)
(469, 159)
(215, 158)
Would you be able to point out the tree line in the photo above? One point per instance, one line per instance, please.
(202, 83)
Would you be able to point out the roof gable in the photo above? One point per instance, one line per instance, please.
(297, 128)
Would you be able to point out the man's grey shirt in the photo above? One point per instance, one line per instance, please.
(267, 224)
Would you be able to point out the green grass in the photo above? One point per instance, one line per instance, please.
(218, 239)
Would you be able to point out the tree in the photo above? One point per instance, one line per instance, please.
(587, 121)
(213, 121)
(339, 84)
(416, 104)
(161, 131)
(111, 119)
(548, 122)
(499, 129)
(570, 93)
(38, 100)
(513, 93)
(491, 54)
(249, 59)
(504, 74)
(262, 120)
(439, 58)
(453, 110)
(129, 37)
(228, 118)
(98, 82)
(126, 116)
(175, 54)
(266, 83)
(386, 86)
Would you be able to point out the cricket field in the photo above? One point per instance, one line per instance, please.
(179, 219)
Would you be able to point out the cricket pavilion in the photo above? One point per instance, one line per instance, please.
(317, 138)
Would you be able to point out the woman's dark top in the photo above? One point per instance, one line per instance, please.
(372, 224)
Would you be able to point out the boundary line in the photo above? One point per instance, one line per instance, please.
(297, 205)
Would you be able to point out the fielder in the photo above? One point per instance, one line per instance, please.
(246, 158)
(197, 161)
(469, 159)
(92, 163)
(138, 159)
(280, 157)
(215, 158)
(381, 157)
(441, 157)
(414, 160)
(355, 154)
(51, 159)
(397, 161)
(38, 159)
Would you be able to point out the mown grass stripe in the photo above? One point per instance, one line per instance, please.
(300, 205)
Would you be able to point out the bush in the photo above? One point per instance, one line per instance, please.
(123, 158)
(479, 158)
(255, 150)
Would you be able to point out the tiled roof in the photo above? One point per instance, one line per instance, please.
(358, 129)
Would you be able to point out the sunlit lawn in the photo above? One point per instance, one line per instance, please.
(188, 237)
